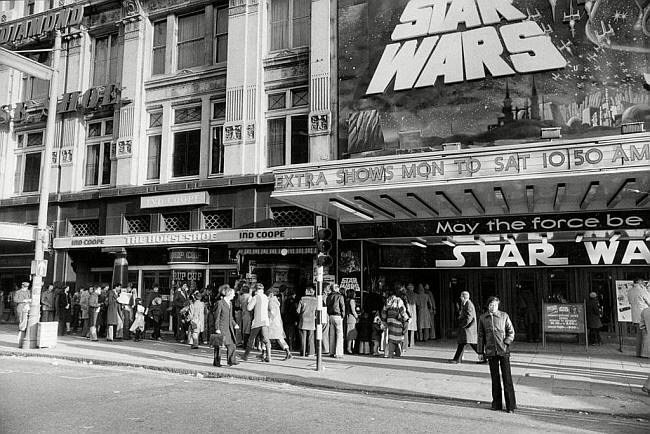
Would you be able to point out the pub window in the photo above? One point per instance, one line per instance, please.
(83, 228)
(291, 216)
(159, 47)
(137, 224)
(29, 154)
(191, 40)
(107, 60)
(98, 153)
(217, 219)
(221, 34)
(36, 88)
(175, 222)
(153, 157)
(287, 141)
(289, 24)
(216, 151)
(186, 155)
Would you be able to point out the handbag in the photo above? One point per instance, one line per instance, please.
(216, 340)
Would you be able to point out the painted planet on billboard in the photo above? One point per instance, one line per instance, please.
(416, 74)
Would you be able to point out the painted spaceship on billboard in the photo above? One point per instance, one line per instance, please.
(416, 74)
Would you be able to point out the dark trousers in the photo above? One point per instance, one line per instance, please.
(264, 333)
(156, 329)
(508, 388)
(532, 331)
(48, 316)
(308, 344)
(594, 336)
(461, 349)
(179, 327)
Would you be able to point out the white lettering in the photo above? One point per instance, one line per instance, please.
(542, 252)
(637, 250)
(600, 250)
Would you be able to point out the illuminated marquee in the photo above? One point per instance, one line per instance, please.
(429, 45)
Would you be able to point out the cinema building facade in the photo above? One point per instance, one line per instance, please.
(516, 174)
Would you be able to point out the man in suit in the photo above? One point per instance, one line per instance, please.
(225, 326)
(181, 299)
(307, 322)
(467, 331)
(639, 299)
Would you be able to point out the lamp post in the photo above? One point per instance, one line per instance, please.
(42, 235)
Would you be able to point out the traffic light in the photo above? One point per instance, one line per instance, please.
(324, 245)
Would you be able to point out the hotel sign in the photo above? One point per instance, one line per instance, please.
(168, 200)
(188, 238)
(37, 25)
(435, 168)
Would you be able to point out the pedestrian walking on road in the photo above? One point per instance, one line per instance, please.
(23, 298)
(639, 299)
(307, 322)
(196, 320)
(495, 334)
(259, 305)
(276, 328)
(335, 311)
(593, 319)
(225, 328)
(396, 319)
(466, 328)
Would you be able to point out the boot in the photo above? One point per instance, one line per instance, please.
(287, 354)
(244, 356)
(217, 358)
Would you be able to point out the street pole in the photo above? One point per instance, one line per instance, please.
(42, 236)
(319, 318)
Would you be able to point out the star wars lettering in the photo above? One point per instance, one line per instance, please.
(456, 56)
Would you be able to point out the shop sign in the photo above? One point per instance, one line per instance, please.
(433, 168)
(181, 199)
(416, 74)
(564, 318)
(188, 237)
(593, 253)
(585, 221)
(348, 283)
(17, 232)
(193, 278)
(279, 251)
(35, 26)
(623, 306)
(188, 255)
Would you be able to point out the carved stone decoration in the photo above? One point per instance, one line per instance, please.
(124, 148)
(237, 132)
(250, 132)
(319, 123)
(228, 136)
(131, 11)
(66, 156)
(55, 157)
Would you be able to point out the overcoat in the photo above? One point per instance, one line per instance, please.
(467, 327)
(225, 323)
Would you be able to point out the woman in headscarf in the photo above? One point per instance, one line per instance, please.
(276, 329)
(396, 319)
(197, 319)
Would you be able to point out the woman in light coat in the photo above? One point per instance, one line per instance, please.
(276, 329)
(197, 319)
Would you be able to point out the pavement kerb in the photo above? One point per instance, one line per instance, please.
(322, 385)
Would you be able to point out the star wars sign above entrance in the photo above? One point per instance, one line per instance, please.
(457, 56)
(414, 75)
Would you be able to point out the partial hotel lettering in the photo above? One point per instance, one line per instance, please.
(520, 47)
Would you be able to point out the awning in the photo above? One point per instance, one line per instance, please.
(17, 232)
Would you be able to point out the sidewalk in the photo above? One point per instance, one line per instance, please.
(563, 376)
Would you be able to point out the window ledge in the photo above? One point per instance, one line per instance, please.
(282, 58)
(190, 74)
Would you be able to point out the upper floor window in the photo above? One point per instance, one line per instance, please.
(191, 40)
(220, 34)
(159, 47)
(287, 140)
(187, 153)
(29, 153)
(36, 88)
(98, 153)
(289, 24)
(107, 60)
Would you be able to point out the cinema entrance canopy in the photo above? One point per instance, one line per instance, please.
(496, 192)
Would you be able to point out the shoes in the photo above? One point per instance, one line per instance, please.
(453, 361)
(266, 359)
(496, 408)
(194, 347)
(482, 362)
(233, 363)
(510, 410)
(216, 363)
(288, 355)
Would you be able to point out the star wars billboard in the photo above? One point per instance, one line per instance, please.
(414, 74)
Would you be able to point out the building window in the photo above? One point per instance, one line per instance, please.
(291, 216)
(218, 110)
(28, 162)
(98, 153)
(36, 88)
(191, 40)
(153, 157)
(187, 115)
(83, 228)
(216, 151)
(187, 150)
(299, 97)
(217, 219)
(137, 224)
(287, 141)
(175, 222)
(277, 101)
(107, 66)
(221, 35)
(159, 47)
(29, 7)
(289, 24)
(155, 120)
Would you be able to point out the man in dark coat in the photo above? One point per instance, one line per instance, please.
(467, 332)
(306, 311)
(181, 299)
(594, 323)
(113, 311)
(225, 327)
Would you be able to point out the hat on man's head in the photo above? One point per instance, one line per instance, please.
(593, 295)
(25, 284)
(493, 298)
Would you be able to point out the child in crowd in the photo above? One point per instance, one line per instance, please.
(364, 333)
(377, 330)
(138, 324)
